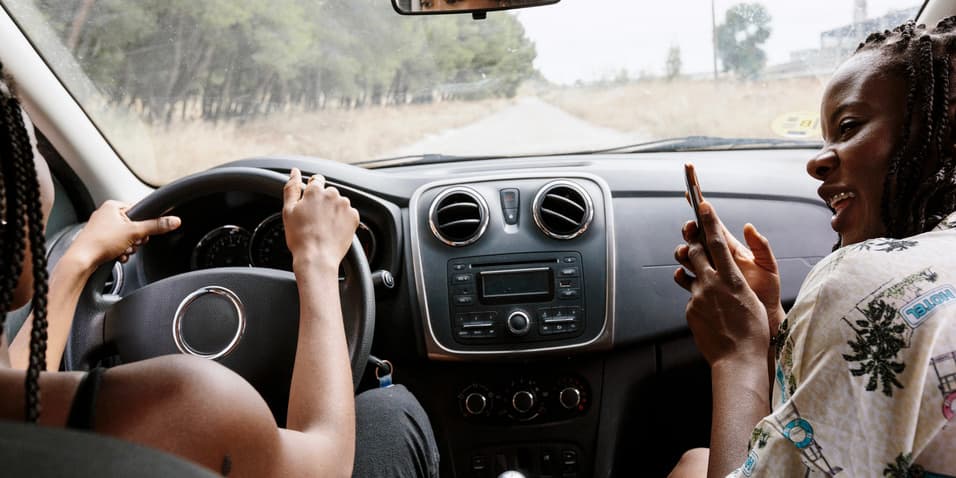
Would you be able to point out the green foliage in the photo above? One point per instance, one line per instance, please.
(218, 59)
(746, 27)
(674, 64)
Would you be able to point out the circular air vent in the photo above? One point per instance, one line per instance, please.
(458, 216)
(562, 210)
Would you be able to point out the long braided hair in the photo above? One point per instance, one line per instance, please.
(920, 186)
(21, 219)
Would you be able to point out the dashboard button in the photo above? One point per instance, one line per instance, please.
(568, 272)
(519, 323)
(462, 278)
(511, 216)
(459, 267)
(568, 294)
(464, 300)
(509, 198)
(569, 260)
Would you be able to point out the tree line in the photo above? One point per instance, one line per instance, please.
(222, 59)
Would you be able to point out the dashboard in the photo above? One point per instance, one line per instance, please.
(533, 310)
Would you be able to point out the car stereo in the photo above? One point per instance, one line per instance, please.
(525, 298)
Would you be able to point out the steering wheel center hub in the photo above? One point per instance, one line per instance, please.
(209, 322)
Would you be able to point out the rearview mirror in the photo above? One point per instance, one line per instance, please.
(425, 7)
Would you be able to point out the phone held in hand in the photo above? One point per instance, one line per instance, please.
(695, 197)
(693, 192)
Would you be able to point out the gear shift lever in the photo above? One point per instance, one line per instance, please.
(511, 474)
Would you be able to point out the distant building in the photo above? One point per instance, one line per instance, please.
(838, 44)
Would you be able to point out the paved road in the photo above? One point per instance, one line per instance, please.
(530, 126)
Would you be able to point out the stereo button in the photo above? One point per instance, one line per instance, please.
(464, 300)
(567, 294)
(519, 323)
(568, 272)
(462, 278)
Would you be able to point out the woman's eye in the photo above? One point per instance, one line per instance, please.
(846, 126)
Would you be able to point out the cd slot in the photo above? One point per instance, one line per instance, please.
(514, 263)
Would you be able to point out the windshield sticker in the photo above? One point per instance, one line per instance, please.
(797, 125)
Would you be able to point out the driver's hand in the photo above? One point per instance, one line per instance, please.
(319, 222)
(111, 235)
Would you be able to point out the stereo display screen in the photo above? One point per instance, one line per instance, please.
(519, 285)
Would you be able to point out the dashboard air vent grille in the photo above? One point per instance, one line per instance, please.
(458, 216)
(563, 210)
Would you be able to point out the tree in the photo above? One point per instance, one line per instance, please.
(674, 64)
(745, 29)
(234, 59)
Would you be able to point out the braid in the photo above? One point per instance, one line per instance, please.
(24, 215)
(920, 186)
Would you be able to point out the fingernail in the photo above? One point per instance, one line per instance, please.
(173, 222)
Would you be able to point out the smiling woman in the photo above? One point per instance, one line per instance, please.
(858, 357)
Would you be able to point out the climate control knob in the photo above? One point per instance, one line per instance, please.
(523, 401)
(519, 323)
(476, 403)
(570, 398)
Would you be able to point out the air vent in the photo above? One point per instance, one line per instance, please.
(562, 210)
(458, 216)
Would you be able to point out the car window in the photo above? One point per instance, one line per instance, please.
(178, 86)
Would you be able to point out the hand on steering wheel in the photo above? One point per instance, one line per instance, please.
(111, 235)
(319, 222)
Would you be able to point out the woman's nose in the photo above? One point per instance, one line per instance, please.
(821, 165)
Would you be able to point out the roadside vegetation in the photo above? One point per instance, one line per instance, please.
(183, 85)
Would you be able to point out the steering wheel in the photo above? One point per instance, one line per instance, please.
(245, 318)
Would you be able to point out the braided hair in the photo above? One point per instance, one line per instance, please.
(22, 220)
(919, 190)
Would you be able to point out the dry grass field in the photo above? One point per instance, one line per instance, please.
(662, 109)
(645, 109)
(160, 154)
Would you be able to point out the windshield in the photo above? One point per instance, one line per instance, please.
(178, 86)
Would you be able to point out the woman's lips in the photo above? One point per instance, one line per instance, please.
(840, 216)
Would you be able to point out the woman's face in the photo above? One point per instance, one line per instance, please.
(862, 119)
(24, 291)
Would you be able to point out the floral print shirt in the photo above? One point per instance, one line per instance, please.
(865, 377)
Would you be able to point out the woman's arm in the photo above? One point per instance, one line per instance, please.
(729, 323)
(319, 227)
(108, 235)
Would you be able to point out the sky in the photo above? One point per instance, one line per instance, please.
(594, 39)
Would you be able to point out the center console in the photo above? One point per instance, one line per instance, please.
(513, 273)
(512, 266)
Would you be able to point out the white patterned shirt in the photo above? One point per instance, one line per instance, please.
(865, 379)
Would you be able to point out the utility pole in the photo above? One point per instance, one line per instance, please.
(713, 35)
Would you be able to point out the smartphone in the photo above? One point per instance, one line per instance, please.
(693, 192)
